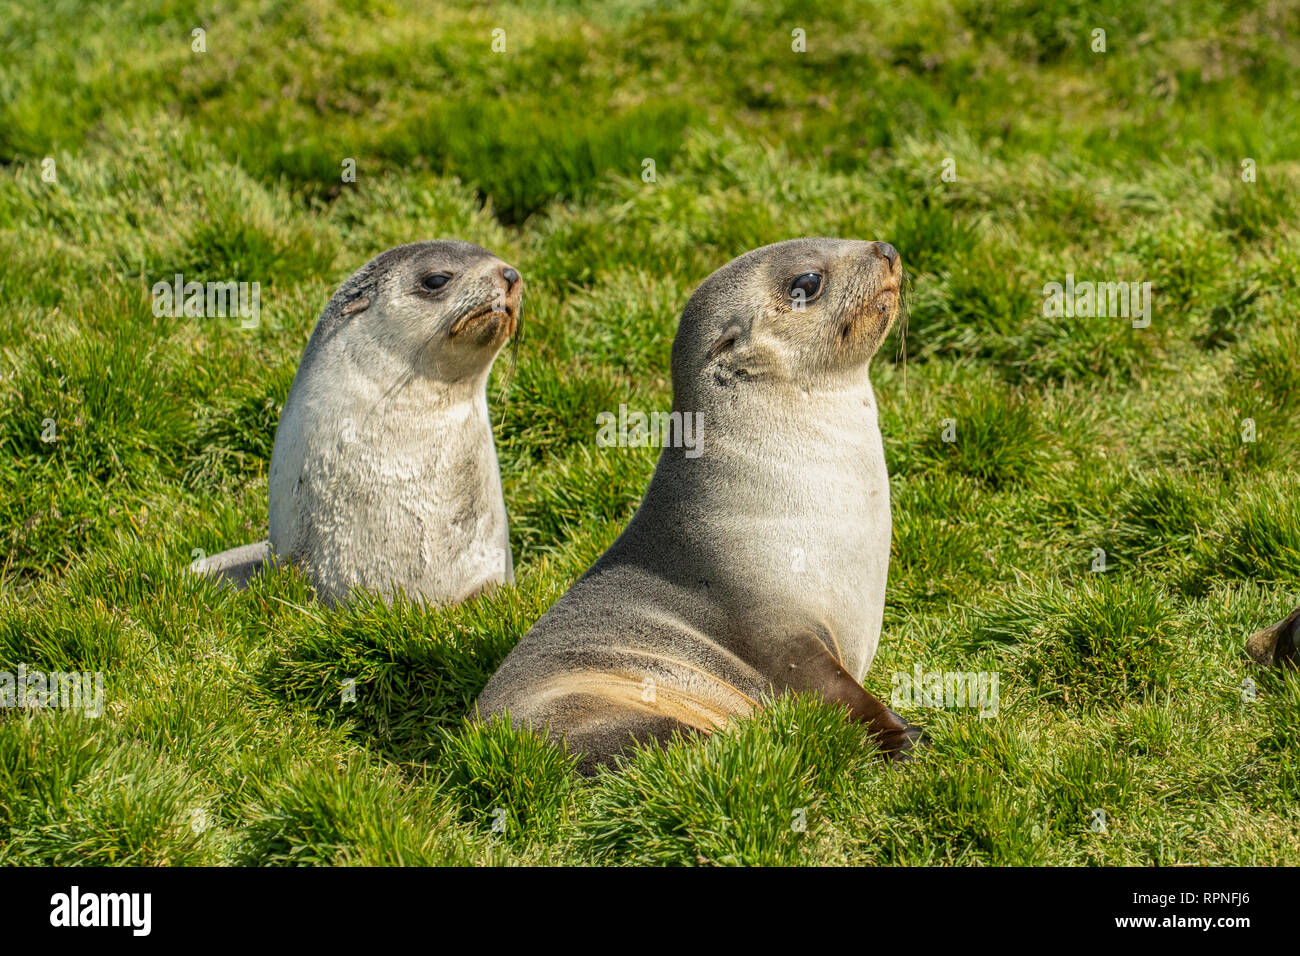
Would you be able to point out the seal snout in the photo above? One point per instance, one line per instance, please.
(888, 256)
(873, 305)
(497, 315)
(891, 284)
(509, 303)
(510, 291)
(888, 253)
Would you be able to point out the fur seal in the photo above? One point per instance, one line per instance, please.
(384, 473)
(759, 566)
(1278, 643)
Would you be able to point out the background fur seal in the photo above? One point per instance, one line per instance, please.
(759, 566)
(384, 472)
(1278, 643)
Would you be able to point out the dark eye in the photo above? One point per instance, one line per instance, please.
(806, 286)
(436, 281)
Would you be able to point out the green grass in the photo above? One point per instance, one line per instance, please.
(227, 737)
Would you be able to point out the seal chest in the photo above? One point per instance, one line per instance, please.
(758, 565)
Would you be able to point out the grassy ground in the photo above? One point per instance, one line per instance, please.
(225, 736)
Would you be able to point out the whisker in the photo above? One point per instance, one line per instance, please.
(904, 314)
(514, 360)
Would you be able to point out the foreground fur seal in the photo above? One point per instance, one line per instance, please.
(384, 473)
(758, 566)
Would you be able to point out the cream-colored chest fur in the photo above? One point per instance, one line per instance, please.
(797, 528)
(388, 483)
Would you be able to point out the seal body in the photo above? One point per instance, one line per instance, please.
(384, 473)
(758, 564)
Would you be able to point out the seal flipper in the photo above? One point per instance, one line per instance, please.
(236, 566)
(807, 666)
(1278, 643)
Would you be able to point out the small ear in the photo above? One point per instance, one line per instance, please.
(357, 305)
(727, 340)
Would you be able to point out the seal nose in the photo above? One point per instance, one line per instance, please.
(889, 252)
(511, 277)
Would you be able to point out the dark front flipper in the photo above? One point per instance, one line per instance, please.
(236, 566)
(807, 666)
(916, 740)
(1277, 644)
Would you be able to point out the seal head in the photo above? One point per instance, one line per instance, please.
(804, 313)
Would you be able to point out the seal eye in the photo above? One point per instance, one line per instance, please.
(435, 282)
(806, 286)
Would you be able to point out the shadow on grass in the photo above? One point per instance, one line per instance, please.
(400, 674)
